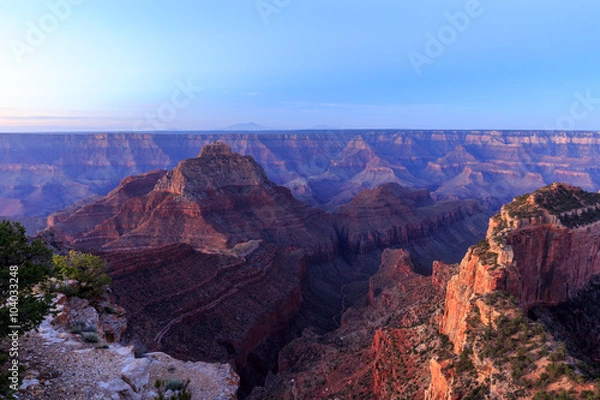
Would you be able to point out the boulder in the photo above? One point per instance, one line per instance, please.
(137, 373)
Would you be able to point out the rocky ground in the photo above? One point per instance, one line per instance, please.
(61, 365)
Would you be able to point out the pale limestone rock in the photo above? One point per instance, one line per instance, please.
(137, 373)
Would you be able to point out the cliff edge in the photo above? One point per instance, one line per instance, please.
(541, 251)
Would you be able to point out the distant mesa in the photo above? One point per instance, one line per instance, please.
(246, 127)
(325, 128)
(41, 174)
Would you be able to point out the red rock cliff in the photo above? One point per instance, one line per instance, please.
(542, 248)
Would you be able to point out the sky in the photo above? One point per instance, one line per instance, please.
(152, 65)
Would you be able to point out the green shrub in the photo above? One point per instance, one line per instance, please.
(178, 386)
(174, 384)
(482, 250)
(464, 363)
(476, 394)
(589, 395)
(88, 270)
(24, 263)
(77, 328)
(90, 337)
(562, 395)
(558, 355)
(556, 370)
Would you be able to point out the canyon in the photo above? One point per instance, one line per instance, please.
(215, 262)
(45, 173)
(349, 283)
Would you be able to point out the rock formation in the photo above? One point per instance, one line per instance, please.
(215, 262)
(542, 249)
(540, 252)
(393, 216)
(213, 202)
(513, 320)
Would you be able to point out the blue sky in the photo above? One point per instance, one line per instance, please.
(288, 64)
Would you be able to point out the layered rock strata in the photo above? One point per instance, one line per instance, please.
(40, 174)
(542, 249)
(540, 252)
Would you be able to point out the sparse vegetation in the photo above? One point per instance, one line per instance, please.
(501, 225)
(487, 257)
(521, 208)
(476, 394)
(464, 363)
(585, 218)
(560, 198)
(90, 337)
(562, 395)
(589, 395)
(558, 355)
(574, 206)
(514, 344)
(177, 386)
(77, 328)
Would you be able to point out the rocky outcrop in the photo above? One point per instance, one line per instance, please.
(442, 381)
(529, 253)
(60, 363)
(103, 318)
(540, 252)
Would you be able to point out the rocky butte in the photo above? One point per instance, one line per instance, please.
(215, 262)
